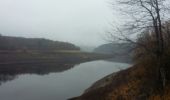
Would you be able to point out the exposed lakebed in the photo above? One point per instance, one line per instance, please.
(58, 82)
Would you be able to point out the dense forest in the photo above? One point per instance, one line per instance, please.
(20, 43)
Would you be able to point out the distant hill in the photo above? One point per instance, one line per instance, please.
(87, 48)
(20, 43)
(122, 52)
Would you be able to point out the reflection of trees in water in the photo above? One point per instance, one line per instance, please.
(5, 78)
(10, 72)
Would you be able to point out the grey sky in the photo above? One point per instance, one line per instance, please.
(82, 22)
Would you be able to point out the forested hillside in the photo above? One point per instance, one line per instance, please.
(20, 43)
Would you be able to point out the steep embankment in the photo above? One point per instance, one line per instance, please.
(136, 83)
(122, 52)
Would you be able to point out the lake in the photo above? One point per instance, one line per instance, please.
(52, 82)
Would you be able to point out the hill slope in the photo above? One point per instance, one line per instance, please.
(20, 43)
(122, 52)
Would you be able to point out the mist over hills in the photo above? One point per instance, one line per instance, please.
(122, 52)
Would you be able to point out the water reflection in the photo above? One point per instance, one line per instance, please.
(52, 81)
(10, 72)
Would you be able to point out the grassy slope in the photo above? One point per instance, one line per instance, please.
(136, 83)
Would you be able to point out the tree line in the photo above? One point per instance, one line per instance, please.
(20, 43)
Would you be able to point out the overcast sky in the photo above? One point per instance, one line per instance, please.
(82, 22)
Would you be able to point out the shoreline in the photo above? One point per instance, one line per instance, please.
(101, 82)
(98, 84)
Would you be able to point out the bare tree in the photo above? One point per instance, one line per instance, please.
(147, 15)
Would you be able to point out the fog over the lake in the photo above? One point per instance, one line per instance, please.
(82, 22)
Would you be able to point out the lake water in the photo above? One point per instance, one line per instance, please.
(49, 83)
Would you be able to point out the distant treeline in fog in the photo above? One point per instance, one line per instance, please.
(20, 43)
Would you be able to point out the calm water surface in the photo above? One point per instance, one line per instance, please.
(53, 84)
